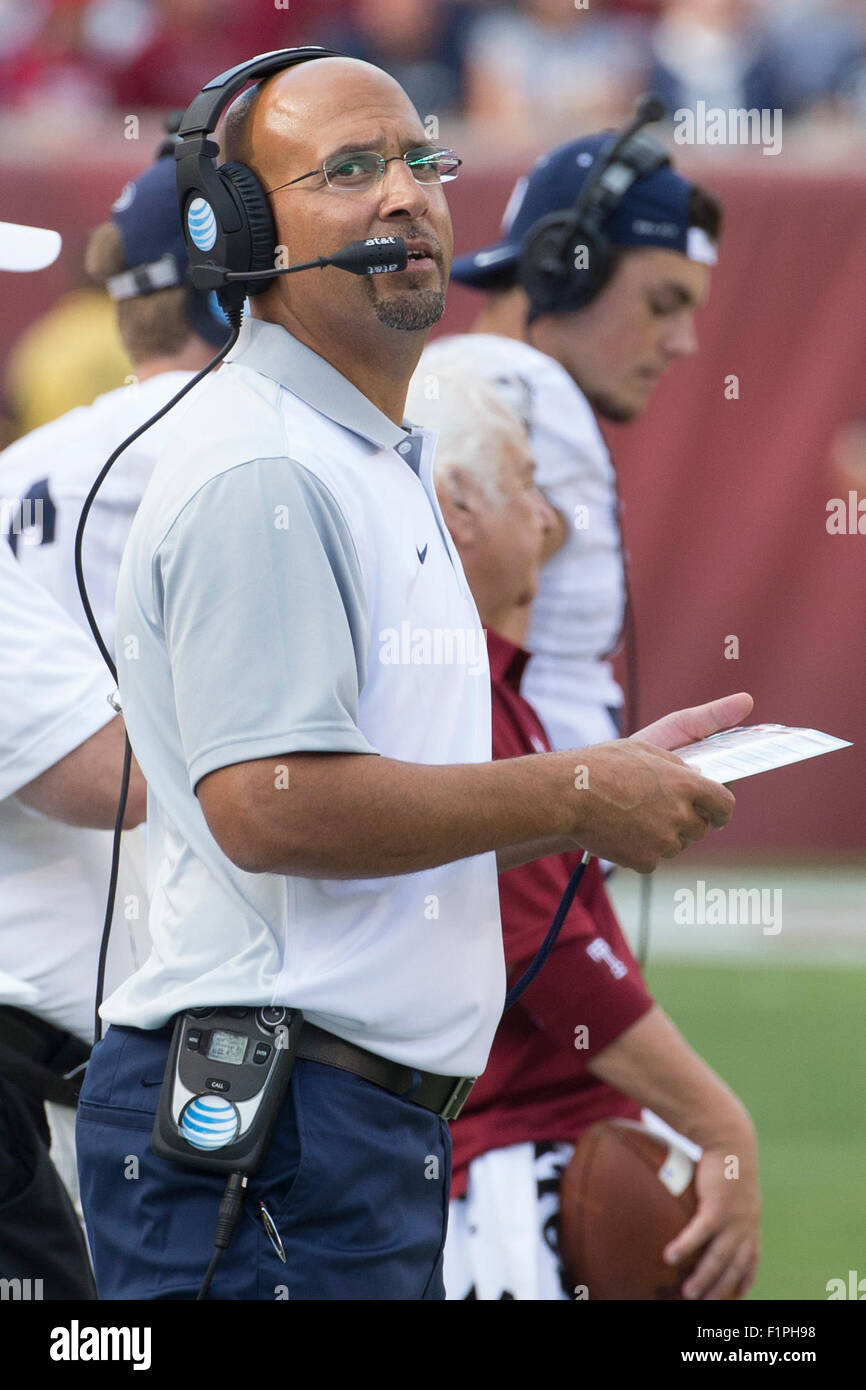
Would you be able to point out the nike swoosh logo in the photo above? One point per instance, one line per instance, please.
(422, 554)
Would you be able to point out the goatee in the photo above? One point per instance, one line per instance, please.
(410, 312)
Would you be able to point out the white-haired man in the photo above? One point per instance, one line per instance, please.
(539, 1091)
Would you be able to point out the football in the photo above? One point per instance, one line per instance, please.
(624, 1195)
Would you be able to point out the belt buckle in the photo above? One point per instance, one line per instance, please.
(458, 1098)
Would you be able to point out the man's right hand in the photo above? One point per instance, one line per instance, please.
(360, 816)
(635, 804)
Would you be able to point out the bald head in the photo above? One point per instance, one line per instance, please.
(281, 107)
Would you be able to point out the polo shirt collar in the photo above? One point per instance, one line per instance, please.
(270, 349)
(507, 660)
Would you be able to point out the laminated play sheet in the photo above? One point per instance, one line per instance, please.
(755, 748)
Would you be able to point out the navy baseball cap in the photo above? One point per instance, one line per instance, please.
(654, 212)
(147, 215)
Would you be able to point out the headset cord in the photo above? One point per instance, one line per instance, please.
(230, 1209)
(112, 885)
(549, 941)
(106, 655)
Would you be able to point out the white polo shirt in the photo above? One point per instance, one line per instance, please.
(53, 697)
(578, 612)
(289, 585)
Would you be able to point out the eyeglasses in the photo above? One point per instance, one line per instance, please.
(360, 170)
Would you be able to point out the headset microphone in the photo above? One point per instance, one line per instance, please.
(371, 257)
(376, 256)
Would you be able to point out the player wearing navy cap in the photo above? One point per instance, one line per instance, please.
(581, 321)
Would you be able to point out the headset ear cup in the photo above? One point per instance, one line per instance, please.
(600, 258)
(557, 279)
(541, 269)
(256, 209)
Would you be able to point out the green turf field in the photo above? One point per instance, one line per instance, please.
(791, 1041)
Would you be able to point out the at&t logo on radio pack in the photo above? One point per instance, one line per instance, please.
(209, 1122)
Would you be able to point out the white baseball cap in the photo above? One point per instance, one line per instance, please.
(27, 248)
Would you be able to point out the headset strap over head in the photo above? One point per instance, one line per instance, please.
(204, 111)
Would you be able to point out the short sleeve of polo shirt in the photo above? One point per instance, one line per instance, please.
(265, 625)
(53, 682)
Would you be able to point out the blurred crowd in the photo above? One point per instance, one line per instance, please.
(507, 62)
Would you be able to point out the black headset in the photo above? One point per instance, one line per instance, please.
(224, 210)
(567, 257)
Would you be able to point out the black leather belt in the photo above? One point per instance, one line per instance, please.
(445, 1095)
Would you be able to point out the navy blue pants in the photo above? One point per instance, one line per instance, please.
(355, 1179)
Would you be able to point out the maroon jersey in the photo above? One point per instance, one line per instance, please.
(536, 1085)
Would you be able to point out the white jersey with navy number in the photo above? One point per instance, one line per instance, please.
(46, 476)
(578, 613)
(53, 877)
(289, 586)
(54, 690)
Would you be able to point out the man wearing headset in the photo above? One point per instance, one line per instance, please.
(325, 823)
(585, 312)
(61, 754)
